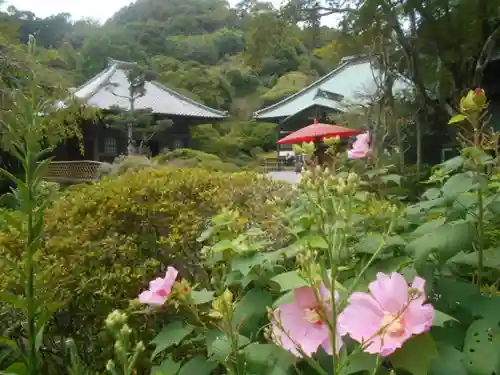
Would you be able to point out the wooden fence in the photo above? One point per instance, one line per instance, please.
(73, 172)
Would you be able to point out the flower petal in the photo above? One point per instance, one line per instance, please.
(150, 298)
(417, 317)
(305, 297)
(362, 317)
(391, 292)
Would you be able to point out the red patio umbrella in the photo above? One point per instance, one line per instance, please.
(317, 132)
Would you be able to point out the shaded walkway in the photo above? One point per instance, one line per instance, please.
(287, 176)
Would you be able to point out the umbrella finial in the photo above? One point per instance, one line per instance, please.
(315, 121)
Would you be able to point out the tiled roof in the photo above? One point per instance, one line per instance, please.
(353, 82)
(106, 89)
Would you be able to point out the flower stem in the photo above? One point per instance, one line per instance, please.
(480, 230)
(28, 204)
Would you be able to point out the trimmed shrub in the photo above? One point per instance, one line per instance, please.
(127, 163)
(105, 241)
(188, 158)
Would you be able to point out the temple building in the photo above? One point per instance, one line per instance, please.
(110, 89)
(352, 84)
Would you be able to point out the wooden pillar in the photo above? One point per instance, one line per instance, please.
(95, 152)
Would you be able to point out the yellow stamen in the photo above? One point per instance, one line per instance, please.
(392, 325)
(312, 316)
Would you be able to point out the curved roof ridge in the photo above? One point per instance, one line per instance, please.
(183, 97)
(318, 82)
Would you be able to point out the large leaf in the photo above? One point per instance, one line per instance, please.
(167, 367)
(261, 357)
(491, 258)
(170, 335)
(428, 227)
(221, 348)
(458, 184)
(289, 280)
(17, 368)
(448, 241)
(440, 318)
(251, 309)
(450, 362)
(416, 355)
(360, 363)
(199, 297)
(244, 264)
(482, 348)
(373, 242)
(198, 365)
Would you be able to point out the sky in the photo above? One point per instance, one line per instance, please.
(100, 10)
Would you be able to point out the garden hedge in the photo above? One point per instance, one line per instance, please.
(105, 241)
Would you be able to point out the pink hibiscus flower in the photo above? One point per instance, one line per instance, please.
(384, 319)
(360, 147)
(159, 289)
(302, 324)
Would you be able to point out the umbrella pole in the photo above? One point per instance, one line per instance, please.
(319, 152)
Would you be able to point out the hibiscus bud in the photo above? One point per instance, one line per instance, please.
(140, 347)
(125, 331)
(227, 296)
(352, 178)
(474, 101)
(110, 366)
(480, 98)
(330, 141)
(308, 147)
(116, 319)
(297, 149)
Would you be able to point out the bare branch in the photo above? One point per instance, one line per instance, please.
(485, 56)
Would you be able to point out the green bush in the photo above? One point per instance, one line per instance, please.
(125, 163)
(185, 157)
(105, 241)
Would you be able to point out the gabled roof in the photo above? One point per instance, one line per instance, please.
(106, 89)
(353, 82)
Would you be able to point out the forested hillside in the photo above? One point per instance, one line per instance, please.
(241, 58)
(236, 59)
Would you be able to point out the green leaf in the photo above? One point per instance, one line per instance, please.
(222, 246)
(416, 355)
(457, 118)
(440, 318)
(251, 309)
(198, 365)
(446, 242)
(39, 337)
(395, 178)
(17, 368)
(200, 297)
(450, 362)
(315, 242)
(289, 280)
(458, 184)
(450, 165)
(428, 227)
(491, 258)
(373, 241)
(359, 362)
(13, 300)
(205, 235)
(167, 367)
(10, 343)
(244, 264)
(288, 297)
(482, 348)
(170, 335)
